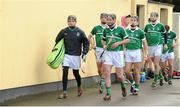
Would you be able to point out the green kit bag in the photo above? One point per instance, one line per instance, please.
(56, 57)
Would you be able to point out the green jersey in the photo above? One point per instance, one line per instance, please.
(97, 32)
(114, 35)
(170, 38)
(135, 37)
(154, 34)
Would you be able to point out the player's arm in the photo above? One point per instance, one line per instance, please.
(145, 48)
(175, 42)
(125, 38)
(85, 43)
(59, 37)
(103, 40)
(164, 34)
(144, 42)
(124, 41)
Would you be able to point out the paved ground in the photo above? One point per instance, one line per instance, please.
(161, 96)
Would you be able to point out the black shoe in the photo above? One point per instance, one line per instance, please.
(63, 96)
(80, 91)
(124, 93)
(165, 76)
(136, 91)
(154, 84)
(161, 82)
(170, 82)
(107, 97)
(100, 90)
(132, 89)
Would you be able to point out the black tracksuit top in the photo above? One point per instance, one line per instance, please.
(74, 40)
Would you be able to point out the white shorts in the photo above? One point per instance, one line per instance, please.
(114, 58)
(166, 56)
(133, 56)
(72, 61)
(98, 54)
(155, 50)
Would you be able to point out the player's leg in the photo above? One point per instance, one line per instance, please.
(107, 77)
(118, 62)
(121, 79)
(129, 75)
(171, 67)
(101, 78)
(64, 82)
(107, 66)
(163, 66)
(78, 80)
(137, 69)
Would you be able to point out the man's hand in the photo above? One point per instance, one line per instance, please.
(93, 46)
(174, 45)
(105, 46)
(146, 56)
(115, 45)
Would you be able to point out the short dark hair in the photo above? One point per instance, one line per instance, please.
(128, 16)
(71, 17)
(135, 17)
(154, 13)
(112, 15)
(102, 15)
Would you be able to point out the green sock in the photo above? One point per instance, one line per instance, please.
(108, 90)
(123, 85)
(169, 77)
(160, 75)
(65, 91)
(144, 70)
(156, 77)
(137, 86)
(132, 81)
(102, 83)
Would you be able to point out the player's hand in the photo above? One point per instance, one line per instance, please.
(145, 57)
(174, 45)
(93, 46)
(105, 46)
(115, 45)
(165, 46)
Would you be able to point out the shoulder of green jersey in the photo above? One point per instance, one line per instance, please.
(142, 31)
(148, 24)
(172, 32)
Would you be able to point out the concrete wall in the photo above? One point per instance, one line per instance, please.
(28, 29)
(176, 28)
(155, 7)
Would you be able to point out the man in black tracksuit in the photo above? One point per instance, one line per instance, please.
(74, 40)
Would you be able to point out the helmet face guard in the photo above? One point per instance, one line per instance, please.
(154, 16)
(134, 21)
